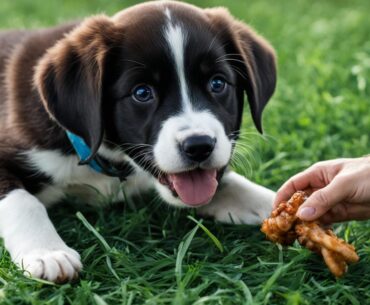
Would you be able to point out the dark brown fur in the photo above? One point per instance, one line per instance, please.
(24, 123)
(23, 117)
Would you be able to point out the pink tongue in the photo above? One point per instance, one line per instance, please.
(195, 187)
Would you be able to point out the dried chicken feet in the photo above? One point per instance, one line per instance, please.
(284, 227)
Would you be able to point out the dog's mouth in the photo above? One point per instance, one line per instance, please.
(194, 188)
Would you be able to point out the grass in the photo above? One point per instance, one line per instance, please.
(150, 254)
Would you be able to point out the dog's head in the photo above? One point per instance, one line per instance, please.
(164, 82)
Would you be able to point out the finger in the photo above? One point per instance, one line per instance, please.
(346, 212)
(305, 180)
(287, 189)
(323, 200)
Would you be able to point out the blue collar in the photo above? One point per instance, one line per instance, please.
(97, 163)
(83, 151)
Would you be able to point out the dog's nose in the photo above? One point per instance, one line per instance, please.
(198, 148)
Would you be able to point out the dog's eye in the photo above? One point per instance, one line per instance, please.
(217, 84)
(142, 93)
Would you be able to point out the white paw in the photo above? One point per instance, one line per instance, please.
(57, 266)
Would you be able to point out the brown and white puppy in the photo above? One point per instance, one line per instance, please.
(156, 93)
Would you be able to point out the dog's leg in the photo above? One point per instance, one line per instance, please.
(32, 240)
(239, 201)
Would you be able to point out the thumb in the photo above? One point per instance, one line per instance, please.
(322, 201)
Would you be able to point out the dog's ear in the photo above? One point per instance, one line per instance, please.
(251, 55)
(69, 79)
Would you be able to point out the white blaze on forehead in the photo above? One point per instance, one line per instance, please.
(176, 39)
(188, 122)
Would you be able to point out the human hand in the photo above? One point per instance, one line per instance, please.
(339, 190)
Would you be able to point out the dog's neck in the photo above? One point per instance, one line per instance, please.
(98, 162)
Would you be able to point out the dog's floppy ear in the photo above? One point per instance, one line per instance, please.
(69, 79)
(255, 59)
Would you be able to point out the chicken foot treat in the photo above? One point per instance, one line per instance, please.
(335, 251)
(284, 227)
(279, 228)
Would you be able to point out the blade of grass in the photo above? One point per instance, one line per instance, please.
(99, 300)
(103, 242)
(183, 248)
(88, 226)
(209, 233)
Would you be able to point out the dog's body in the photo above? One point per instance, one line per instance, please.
(156, 94)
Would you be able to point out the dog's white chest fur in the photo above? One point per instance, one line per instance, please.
(70, 178)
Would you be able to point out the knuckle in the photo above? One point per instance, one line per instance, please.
(292, 186)
(318, 165)
(315, 169)
(342, 184)
(323, 200)
(286, 189)
(341, 181)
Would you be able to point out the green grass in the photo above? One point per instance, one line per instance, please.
(151, 254)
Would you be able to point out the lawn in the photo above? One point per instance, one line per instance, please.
(142, 252)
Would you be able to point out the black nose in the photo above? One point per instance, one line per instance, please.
(198, 148)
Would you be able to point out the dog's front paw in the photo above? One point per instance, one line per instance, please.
(57, 266)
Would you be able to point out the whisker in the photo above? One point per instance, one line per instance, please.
(230, 59)
(214, 39)
(228, 54)
(238, 71)
(134, 61)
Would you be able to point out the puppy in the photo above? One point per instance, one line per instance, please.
(152, 97)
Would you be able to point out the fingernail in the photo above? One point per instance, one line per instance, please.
(306, 212)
